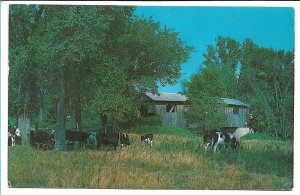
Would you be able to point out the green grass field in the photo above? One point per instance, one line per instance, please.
(175, 161)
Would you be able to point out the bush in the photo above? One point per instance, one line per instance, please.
(149, 121)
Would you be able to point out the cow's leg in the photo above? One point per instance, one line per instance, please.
(12, 141)
(215, 146)
(205, 147)
(226, 147)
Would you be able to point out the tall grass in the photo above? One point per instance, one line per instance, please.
(175, 161)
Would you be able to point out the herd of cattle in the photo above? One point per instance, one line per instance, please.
(46, 140)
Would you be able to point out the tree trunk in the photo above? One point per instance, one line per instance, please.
(41, 111)
(103, 119)
(24, 125)
(60, 143)
(24, 121)
(78, 107)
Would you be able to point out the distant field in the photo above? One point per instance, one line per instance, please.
(174, 162)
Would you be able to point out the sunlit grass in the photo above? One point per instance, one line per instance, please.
(175, 161)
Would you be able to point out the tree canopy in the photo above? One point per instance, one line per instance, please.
(205, 91)
(96, 59)
(265, 81)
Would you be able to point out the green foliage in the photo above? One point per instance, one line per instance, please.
(205, 92)
(226, 51)
(149, 121)
(265, 82)
(154, 54)
(94, 60)
(23, 88)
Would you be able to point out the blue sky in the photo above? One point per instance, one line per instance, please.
(271, 27)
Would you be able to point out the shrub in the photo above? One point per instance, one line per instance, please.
(150, 121)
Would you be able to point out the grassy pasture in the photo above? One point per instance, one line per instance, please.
(175, 161)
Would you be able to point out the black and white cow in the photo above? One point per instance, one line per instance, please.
(14, 135)
(148, 138)
(76, 136)
(42, 139)
(112, 139)
(216, 138)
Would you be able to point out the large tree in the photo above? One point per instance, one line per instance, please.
(267, 82)
(142, 55)
(70, 39)
(23, 80)
(205, 90)
(97, 58)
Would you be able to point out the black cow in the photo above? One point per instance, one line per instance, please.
(112, 139)
(41, 139)
(148, 138)
(73, 136)
(14, 135)
(235, 143)
(215, 138)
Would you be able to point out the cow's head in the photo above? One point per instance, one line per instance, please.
(12, 130)
(234, 143)
(124, 139)
(52, 136)
(18, 132)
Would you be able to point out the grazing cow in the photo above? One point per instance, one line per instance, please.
(235, 143)
(148, 138)
(73, 136)
(14, 135)
(240, 132)
(112, 139)
(42, 139)
(215, 138)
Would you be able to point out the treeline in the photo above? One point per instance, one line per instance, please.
(85, 62)
(261, 77)
(94, 62)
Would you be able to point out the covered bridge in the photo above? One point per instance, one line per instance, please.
(170, 106)
(237, 113)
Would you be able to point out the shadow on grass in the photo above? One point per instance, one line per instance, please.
(262, 162)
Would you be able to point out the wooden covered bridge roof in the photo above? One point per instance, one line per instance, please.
(178, 97)
(166, 97)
